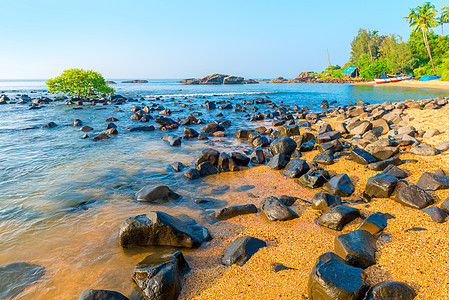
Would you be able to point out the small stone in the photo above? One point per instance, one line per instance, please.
(325, 201)
(340, 185)
(241, 250)
(414, 196)
(438, 215)
(381, 186)
(357, 248)
(275, 210)
(374, 224)
(391, 290)
(235, 210)
(338, 216)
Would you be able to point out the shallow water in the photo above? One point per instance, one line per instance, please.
(63, 197)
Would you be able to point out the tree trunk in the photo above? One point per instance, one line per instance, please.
(332, 69)
(426, 42)
(371, 54)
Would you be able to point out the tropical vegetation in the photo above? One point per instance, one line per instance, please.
(425, 53)
(79, 83)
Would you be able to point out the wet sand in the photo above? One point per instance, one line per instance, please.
(432, 84)
(419, 258)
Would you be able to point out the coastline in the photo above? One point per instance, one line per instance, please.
(433, 84)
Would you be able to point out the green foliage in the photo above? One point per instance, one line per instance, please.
(443, 69)
(367, 70)
(79, 83)
(438, 44)
(422, 18)
(362, 41)
(397, 55)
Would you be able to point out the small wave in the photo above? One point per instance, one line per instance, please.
(209, 94)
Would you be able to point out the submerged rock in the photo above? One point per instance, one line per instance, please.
(160, 276)
(333, 279)
(160, 229)
(16, 277)
(241, 250)
(158, 194)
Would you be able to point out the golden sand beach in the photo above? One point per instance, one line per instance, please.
(433, 84)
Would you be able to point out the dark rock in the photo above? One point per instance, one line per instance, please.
(327, 282)
(165, 122)
(394, 171)
(16, 277)
(374, 224)
(287, 200)
(241, 250)
(312, 180)
(382, 153)
(172, 140)
(424, 150)
(414, 196)
(243, 134)
(111, 119)
(357, 248)
(86, 128)
(211, 128)
(325, 201)
(334, 146)
(158, 194)
(381, 186)
(177, 166)
(100, 137)
(208, 154)
(289, 130)
(192, 174)
(240, 159)
(142, 128)
(340, 185)
(257, 157)
(160, 229)
(235, 210)
(50, 125)
(382, 165)
(284, 145)
(363, 197)
(338, 216)
(296, 168)
(101, 295)
(277, 267)
(279, 161)
(324, 158)
(226, 164)
(160, 276)
(445, 205)
(438, 215)
(391, 290)
(111, 131)
(207, 168)
(111, 125)
(361, 156)
(432, 182)
(77, 123)
(275, 210)
(190, 133)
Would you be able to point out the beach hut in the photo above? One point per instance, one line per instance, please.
(352, 72)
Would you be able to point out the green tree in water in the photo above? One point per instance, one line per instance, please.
(423, 18)
(79, 83)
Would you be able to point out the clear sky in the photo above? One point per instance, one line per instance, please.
(181, 39)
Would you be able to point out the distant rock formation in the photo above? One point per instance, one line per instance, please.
(279, 80)
(111, 82)
(311, 77)
(218, 79)
(135, 81)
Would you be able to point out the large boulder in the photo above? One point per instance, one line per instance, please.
(207, 155)
(296, 168)
(424, 150)
(325, 201)
(381, 186)
(160, 276)
(361, 156)
(374, 224)
(338, 216)
(333, 279)
(391, 290)
(160, 229)
(284, 145)
(241, 249)
(240, 159)
(340, 185)
(279, 161)
(414, 196)
(211, 128)
(171, 139)
(357, 248)
(226, 163)
(275, 210)
(257, 157)
(16, 277)
(313, 179)
(436, 214)
(233, 211)
(207, 168)
(158, 194)
(101, 295)
(433, 182)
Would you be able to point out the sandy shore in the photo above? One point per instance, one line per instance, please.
(433, 84)
(419, 258)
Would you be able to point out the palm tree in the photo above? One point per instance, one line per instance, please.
(423, 18)
(444, 17)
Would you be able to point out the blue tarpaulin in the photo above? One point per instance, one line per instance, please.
(349, 70)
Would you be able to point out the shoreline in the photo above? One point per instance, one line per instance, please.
(433, 84)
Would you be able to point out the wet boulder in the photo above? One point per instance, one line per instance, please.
(324, 158)
(233, 211)
(275, 210)
(290, 130)
(158, 194)
(381, 186)
(111, 131)
(433, 182)
(101, 295)
(391, 290)
(208, 154)
(172, 140)
(86, 128)
(141, 129)
(296, 168)
(279, 161)
(374, 224)
(414, 196)
(327, 283)
(211, 128)
(325, 201)
(192, 174)
(165, 122)
(226, 163)
(16, 277)
(395, 171)
(361, 156)
(160, 276)
(257, 157)
(207, 168)
(241, 250)
(340, 185)
(177, 166)
(240, 159)
(100, 137)
(338, 216)
(284, 145)
(242, 134)
(357, 248)
(190, 133)
(50, 125)
(312, 179)
(160, 229)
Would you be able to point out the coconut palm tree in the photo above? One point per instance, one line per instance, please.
(444, 17)
(423, 18)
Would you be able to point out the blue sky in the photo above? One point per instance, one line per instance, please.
(180, 39)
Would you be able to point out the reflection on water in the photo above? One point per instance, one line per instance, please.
(63, 197)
